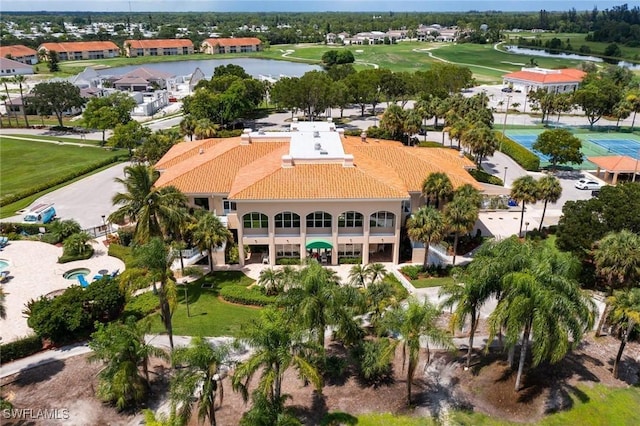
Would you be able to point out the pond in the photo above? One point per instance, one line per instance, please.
(543, 53)
(254, 67)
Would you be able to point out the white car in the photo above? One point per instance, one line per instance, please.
(587, 184)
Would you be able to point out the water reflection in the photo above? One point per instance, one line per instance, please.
(543, 53)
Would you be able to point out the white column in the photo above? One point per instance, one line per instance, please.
(272, 239)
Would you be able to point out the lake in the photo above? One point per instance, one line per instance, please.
(254, 67)
(543, 53)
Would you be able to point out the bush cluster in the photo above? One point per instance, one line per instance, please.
(66, 257)
(399, 291)
(520, 154)
(350, 260)
(288, 261)
(246, 296)
(121, 252)
(413, 272)
(54, 181)
(484, 177)
(429, 144)
(20, 348)
(22, 228)
(141, 306)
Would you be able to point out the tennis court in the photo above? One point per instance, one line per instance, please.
(593, 145)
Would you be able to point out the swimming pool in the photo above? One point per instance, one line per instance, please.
(3, 264)
(73, 274)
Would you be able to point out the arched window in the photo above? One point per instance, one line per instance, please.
(287, 220)
(382, 219)
(319, 220)
(350, 220)
(255, 220)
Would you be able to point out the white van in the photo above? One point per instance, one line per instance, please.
(41, 213)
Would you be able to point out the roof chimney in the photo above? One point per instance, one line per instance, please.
(287, 161)
(348, 161)
(201, 151)
(363, 136)
(245, 139)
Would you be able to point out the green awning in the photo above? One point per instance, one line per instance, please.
(319, 244)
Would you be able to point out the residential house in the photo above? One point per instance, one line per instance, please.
(310, 191)
(164, 47)
(11, 67)
(79, 50)
(142, 80)
(554, 81)
(214, 46)
(20, 53)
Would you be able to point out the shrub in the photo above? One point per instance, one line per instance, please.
(7, 228)
(20, 348)
(57, 180)
(412, 271)
(378, 133)
(429, 144)
(76, 244)
(121, 252)
(288, 261)
(482, 176)
(374, 358)
(125, 234)
(141, 306)
(334, 367)
(72, 257)
(399, 291)
(521, 155)
(350, 260)
(245, 296)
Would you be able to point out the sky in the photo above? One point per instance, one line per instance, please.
(304, 5)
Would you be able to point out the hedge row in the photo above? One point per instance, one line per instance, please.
(482, 176)
(430, 144)
(350, 260)
(121, 252)
(84, 256)
(246, 296)
(288, 261)
(521, 155)
(20, 348)
(56, 181)
(19, 228)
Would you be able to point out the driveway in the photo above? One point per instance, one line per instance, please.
(85, 200)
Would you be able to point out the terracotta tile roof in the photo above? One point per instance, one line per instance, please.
(568, 75)
(318, 181)
(183, 151)
(79, 46)
(240, 41)
(215, 170)
(160, 43)
(616, 163)
(17, 51)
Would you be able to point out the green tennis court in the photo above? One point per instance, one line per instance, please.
(593, 145)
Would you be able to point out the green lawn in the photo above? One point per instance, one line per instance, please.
(46, 138)
(28, 163)
(431, 282)
(209, 316)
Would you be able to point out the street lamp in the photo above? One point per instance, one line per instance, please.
(104, 224)
(504, 181)
(526, 228)
(185, 285)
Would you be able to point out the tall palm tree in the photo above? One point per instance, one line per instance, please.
(200, 370)
(545, 300)
(210, 234)
(277, 345)
(122, 347)
(459, 217)
(154, 258)
(549, 189)
(358, 276)
(437, 187)
(19, 79)
(524, 189)
(155, 210)
(625, 314)
(617, 259)
(469, 193)
(375, 272)
(481, 141)
(426, 226)
(188, 126)
(5, 81)
(271, 281)
(411, 324)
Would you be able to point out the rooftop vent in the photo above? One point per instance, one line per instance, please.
(201, 151)
(317, 146)
(261, 132)
(316, 134)
(324, 153)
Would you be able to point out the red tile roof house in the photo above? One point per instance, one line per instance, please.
(164, 47)
(20, 53)
(556, 81)
(213, 46)
(78, 50)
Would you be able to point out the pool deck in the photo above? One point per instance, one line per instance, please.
(34, 271)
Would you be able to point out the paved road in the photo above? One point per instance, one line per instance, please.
(85, 200)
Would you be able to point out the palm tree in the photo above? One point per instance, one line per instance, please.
(411, 324)
(625, 314)
(200, 371)
(426, 226)
(4, 81)
(154, 257)
(271, 281)
(358, 276)
(3, 308)
(524, 189)
(277, 345)
(481, 141)
(617, 259)
(437, 187)
(61, 229)
(469, 193)
(210, 234)
(155, 210)
(19, 79)
(375, 272)
(549, 189)
(545, 300)
(188, 126)
(459, 217)
(122, 347)
(205, 129)
(377, 298)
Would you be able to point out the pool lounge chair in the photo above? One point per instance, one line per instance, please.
(4, 241)
(4, 276)
(115, 273)
(83, 281)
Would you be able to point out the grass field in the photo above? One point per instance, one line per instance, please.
(27, 163)
(45, 138)
(432, 282)
(209, 315)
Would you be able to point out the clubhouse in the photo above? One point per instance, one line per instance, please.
(309, 191)
(214, 46)
(564, 80)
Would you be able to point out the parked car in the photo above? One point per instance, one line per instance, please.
(587, 184)
(507, 89)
